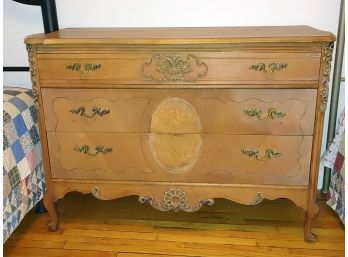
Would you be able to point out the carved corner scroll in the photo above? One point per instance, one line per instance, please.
(172, 68)
(176, 200)
(325, 75)
(32, 69)
(96, 193)
(258, 199)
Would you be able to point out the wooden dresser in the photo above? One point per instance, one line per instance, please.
(181, 116)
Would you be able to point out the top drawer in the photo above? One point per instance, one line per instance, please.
(196, 67)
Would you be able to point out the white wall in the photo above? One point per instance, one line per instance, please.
(21, 20)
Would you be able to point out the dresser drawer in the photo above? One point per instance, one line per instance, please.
(227, 111)
(98, 156)
(192, 158)
(195, 67)
(258, 159)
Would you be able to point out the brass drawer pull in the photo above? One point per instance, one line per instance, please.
(269, 154)
(95, 111)
(98, 150)
(271, 114)
(270, 68)
(83, 68)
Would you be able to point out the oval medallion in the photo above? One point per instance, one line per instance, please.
(175, 135)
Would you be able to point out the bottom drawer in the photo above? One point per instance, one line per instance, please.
(192, 158)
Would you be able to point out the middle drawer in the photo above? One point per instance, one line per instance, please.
(220, 111)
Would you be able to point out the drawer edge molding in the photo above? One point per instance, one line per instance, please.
(173, 68)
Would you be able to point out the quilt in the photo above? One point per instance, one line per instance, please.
(23, 175)
(334, 158)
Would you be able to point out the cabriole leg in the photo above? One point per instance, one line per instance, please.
(311, 214)
(51, 209)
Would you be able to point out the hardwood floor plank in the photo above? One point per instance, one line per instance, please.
(35, 243)
(206, 239)
(169, 249)
(118, 227)
(41, 252)
(163, 246)
(321, 252)
(301, 244)
(244, 234)
(318, 231)
(146, 255)
(49, 237)
(109, 233)
(191, 225)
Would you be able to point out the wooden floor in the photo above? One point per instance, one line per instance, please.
(125, 228)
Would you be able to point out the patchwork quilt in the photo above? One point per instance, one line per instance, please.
(23, 175)
(334, 158)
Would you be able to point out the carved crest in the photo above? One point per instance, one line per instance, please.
(176, 200)
(172, 68)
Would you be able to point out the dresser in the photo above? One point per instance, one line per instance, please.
(181, 116)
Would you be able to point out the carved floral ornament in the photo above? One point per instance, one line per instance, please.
(176, 200)
(172, 68)
(32, 69)
(325, 75)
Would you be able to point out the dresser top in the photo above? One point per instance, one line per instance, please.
(182, 35)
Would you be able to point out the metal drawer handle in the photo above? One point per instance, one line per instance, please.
(270, 68)
(83, 68)
(98, 150)
(269, 154)
(271, 114)
(95, 111)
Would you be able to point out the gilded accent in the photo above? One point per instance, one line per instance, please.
(270, 68)
(32, 69)
(98, 150)
(271, 115)
(85, 68)
(95, 111)
(258, 199)
(96, 193)
(325, 75)
(176, 200)
(171, 68)
(269, 154)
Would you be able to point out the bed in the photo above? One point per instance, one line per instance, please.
(334, 158)
(23, 175)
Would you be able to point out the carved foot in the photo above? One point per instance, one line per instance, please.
(52, 227)
(51, 209)
(310, 238)
(311, 213)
